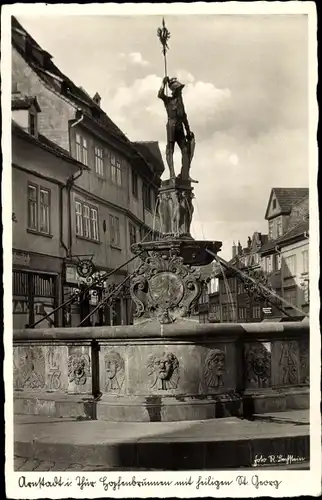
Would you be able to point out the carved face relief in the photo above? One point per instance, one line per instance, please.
(114, 371)
(258, 365)
(78, 368)
(165, 371)
(214, 368)
(163, 368)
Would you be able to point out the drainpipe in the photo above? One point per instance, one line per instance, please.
(78, 121)
(61, 219)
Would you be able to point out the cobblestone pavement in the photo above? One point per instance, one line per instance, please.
(26, 464)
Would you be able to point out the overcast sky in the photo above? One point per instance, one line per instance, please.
(246, 98)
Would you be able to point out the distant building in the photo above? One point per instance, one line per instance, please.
(279, 259)
(285, 257)
(234, 301)
(111, 198)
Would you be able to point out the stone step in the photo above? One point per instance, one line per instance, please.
(216, 444)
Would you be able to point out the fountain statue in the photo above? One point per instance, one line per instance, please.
(167, 284)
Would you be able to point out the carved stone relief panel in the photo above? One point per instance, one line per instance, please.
(54, 374)
(114, 371)
(79, 369)
(214, 369)
(29, 367)
(258, 365)
(286, 363)
(163, 371)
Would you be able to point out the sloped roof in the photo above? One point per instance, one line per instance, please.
(72, 90)
(300, 228)
(46, 144)
(24, 102)
(151, 152)
(287, 197)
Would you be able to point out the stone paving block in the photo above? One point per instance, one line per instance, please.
(29, 465)
(19, 462)
(45, 466)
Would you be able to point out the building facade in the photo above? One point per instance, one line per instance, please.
(110, 200)
(40, 171)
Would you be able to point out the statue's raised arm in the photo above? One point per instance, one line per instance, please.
(161, 94)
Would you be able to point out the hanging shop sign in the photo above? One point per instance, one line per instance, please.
(73, 276)
(85, 268)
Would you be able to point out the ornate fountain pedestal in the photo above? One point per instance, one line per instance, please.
(166, 286)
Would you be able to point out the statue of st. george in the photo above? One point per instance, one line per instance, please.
(178, 130)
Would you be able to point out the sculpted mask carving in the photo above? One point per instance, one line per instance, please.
(214, 368)
(114, 371)
(164, 371)
(258, 365)
(78, 368)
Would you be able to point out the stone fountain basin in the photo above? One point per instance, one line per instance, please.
(193, 252)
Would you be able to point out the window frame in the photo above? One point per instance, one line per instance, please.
(48, 206)
(80, 215)
(132, 232)
(305, 262)
(135, 184)
(114, 223)
(288, 272)
(147, 197)
(116, 170)
(99, 161)
(38, 188)
(81, 148)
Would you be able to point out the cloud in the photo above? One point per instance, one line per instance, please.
(208, 108)
(134, 58)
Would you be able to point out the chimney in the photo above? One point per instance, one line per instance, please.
(249, 242)
(97, 99)
(234, 250)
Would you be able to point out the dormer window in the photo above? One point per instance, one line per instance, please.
(25, 113)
